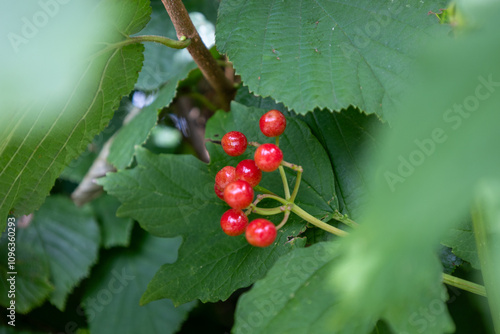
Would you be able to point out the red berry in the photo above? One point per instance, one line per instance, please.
(268, 157)
(225, 176)
(233, 222)
(261, 233)
(272, 123)
(238, 194)
(234, 143)
(248, 171)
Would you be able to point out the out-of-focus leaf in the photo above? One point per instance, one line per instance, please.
(41, 135)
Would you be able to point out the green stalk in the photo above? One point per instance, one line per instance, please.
(464, 285)
(486, 226)
(318, 223)
(285, 182)
(344, 219)
(296, 187)
(171, 43)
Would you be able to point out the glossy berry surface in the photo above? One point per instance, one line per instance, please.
(261, 232)
(234, 143)
(238, 194)
(272, 123)
(225, 176)
(234, 222)
(268, 157)
(248, 171)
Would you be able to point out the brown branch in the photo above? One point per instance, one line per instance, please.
(201, 55)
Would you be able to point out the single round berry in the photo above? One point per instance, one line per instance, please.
(272, 123)
(248, 171)
(225, 176)
(234, 143)
(268, 157)
(233, 222)
(260, 232)
(238, 194)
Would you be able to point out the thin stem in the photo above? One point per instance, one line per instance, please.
(344, 219)
(464, 285)
(292, 166)
(296, 186)
(285, 218)
(267, 211)
(285, 182)
(277, 198)
(316, 222)
(182, 43)
(253, 143)
(278, 141)
(201, 55)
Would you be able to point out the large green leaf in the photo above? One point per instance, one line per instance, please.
(424, 180)
(292, 298)
(347, 137)
(63, 238)
(40, 137)
(32, 280)
(327, 54)
(173, 195)
(111, 300)
(461, 240)
(296, 297)
(135, 132)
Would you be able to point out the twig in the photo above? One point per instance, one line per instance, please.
(201, 55)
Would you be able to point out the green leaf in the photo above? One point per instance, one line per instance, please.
(327, 54)
(461, 240)
(173, 195)
(62, 241)
(69, 238)
(115, 231)
(136, 132)
(111, 301)
(423, 182)
(297, 296)
(33, 284)
(243, 96)
(40, 137)
(347, 137)
(294, 296)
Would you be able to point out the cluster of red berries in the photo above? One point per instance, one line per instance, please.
(235, 185)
